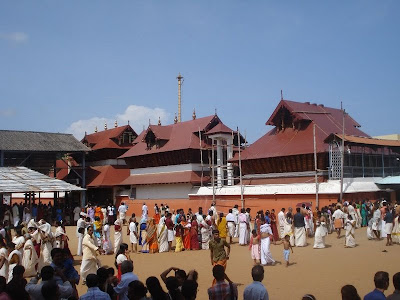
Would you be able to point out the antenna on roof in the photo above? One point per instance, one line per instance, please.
(281, 94)
(180, 81)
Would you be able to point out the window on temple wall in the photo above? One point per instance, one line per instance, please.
(127, 137)
(150, 139)
(132, 194)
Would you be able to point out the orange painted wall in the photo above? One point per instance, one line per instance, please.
(256, 203)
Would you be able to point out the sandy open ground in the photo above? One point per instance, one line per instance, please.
(321, 272)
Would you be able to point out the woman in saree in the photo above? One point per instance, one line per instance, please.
(396, 230)
(222, 226)
(288, 228)
(186, 233)
(194, 238)
(120, 257)
(98, 230)
(143, 236)
(29, 257)
(274, 228)
(205, 227)
(152, 236)
(364, 214)
(162, 232)
(46, 245)
(117, 235)
(320, 232)
(350, 228)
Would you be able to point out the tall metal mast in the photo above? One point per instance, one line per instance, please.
(180, 81)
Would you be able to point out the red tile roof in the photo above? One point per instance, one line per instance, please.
(102, 176)
(299, 140)
(179, 136)
(103, 139)
(220, 128)
(166, 178)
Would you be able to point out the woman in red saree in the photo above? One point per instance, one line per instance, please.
(186, 233)
(152, 236)
(273, 225)
(194, 231)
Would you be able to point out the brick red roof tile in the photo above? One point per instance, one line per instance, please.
(103, 139)
(106, 176)
(179, 136)
(294, 141)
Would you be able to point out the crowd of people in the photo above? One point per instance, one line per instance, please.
(30, 249)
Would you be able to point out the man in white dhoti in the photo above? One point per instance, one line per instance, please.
(350, 228)
(320, 232)
(133, 234)
(77, 210)
(281, 220)
(352, 211)
(80, 232)
(145, 211)
(300, 239)
(215, 212)
(235, 212)
(230, 219)
(90, 263)
(122, 209)
(15, 214)
(243, 227)
(266, 256)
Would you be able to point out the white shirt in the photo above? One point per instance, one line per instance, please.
(122, 209)
(144, 210)
(351, 209)
(132, 227)
(281, 218)
(230, 217)
(338, 214)
(77, 211)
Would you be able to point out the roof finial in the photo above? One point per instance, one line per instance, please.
(194, 114)
(149, 122)
(95, 129)
(159, 121)
(215, 111)
(281, 94)
(105, 126)
(128, 122)
(85, 133)
(175, 119)
(116, 124)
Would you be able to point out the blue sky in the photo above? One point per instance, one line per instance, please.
(67, 66)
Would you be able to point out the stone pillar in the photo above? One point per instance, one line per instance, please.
(220, 173)
(229, 155)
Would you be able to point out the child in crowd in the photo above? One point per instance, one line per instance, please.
(255, 247)
(286, 248)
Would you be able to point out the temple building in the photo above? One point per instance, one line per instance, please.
(169, 162)
(104, 169)
(301, 157)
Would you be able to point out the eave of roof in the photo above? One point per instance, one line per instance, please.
(30, 141)
(364, 140)
(166, 178)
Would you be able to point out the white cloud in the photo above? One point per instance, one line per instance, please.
(138, 116)
(16, 37)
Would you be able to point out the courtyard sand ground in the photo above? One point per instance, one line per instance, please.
(321, 272)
